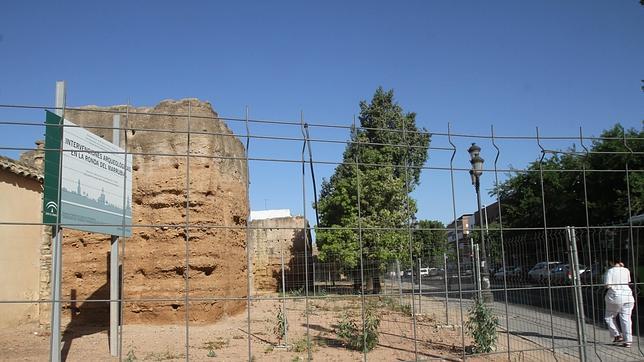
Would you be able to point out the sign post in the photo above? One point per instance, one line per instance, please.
(114, 267)
(51, 214)
(88, 187)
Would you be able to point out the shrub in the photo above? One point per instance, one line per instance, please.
(130, 356)
(218, 343)
(482, 325)
(302, 345)
(396, 306)
(352, 334)
(281, 328)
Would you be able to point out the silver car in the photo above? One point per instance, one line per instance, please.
(562, 274)
(539, 273)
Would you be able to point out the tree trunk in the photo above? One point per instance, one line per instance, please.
(376, 284)
(357, 283)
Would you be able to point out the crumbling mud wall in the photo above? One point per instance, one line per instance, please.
(276, 241)
(206, 220)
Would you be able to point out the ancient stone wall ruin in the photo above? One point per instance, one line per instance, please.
(154, 261)
(276, 241)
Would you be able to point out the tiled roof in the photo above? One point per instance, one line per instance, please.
(20, 168)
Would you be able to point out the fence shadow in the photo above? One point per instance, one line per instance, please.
(90, 317)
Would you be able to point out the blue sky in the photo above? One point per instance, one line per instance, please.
(512, 64)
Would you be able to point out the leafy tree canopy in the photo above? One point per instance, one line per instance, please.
(430, 241)
(381, 166)
(577, 180)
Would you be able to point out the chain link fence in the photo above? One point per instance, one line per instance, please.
(199, 280)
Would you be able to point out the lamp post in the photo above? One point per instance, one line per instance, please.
(475, 173)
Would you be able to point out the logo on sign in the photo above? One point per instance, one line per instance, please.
(51, 208)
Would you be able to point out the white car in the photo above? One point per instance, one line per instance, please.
(539, 273)
(562, 274)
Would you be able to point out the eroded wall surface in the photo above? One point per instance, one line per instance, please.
(203, 216)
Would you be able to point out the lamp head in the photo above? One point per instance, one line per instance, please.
(476, 161)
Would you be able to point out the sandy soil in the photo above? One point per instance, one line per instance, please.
(228, 339)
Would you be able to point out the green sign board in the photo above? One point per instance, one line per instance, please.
(52, 165)
(88, 186)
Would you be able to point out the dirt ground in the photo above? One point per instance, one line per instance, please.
(228, 339)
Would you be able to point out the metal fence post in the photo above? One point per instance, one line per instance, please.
(420, 287)
(477, 271)
(313, 264)
(114, 264)
(283, 292)
(573, 260)
(399, 277)
(446, 288)
(57, 243)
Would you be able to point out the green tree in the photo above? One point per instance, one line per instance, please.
(381, 166)
(606, 195)
(617, 149)
(492, 242)
(430, 241)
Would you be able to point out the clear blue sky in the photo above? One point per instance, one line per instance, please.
(558, 65)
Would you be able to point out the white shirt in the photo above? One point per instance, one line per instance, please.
(616, 280)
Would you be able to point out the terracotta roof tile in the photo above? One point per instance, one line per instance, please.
(20, 168)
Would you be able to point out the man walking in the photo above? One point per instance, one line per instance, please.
(619, 302)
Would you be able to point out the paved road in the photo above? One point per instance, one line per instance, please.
(560, 332)
(524, 317)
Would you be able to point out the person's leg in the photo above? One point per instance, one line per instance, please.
(625, 321)
(609, 317)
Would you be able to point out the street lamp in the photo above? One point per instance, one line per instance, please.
(475, 173)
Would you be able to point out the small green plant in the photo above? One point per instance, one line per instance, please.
(158, 356)
(396, 306)
(482, 325)
(219, 343)
(404, 309)
(281, 328)
(351, 333)
(130, 356)
(211, 346)
(301, 345)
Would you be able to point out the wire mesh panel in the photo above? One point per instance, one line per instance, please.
(200, 278)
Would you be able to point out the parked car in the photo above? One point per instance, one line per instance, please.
(424, 272)
(593, 274)
(519, 273)
(562, 274)
(539, 273)
(495, 268)
(504, 272)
